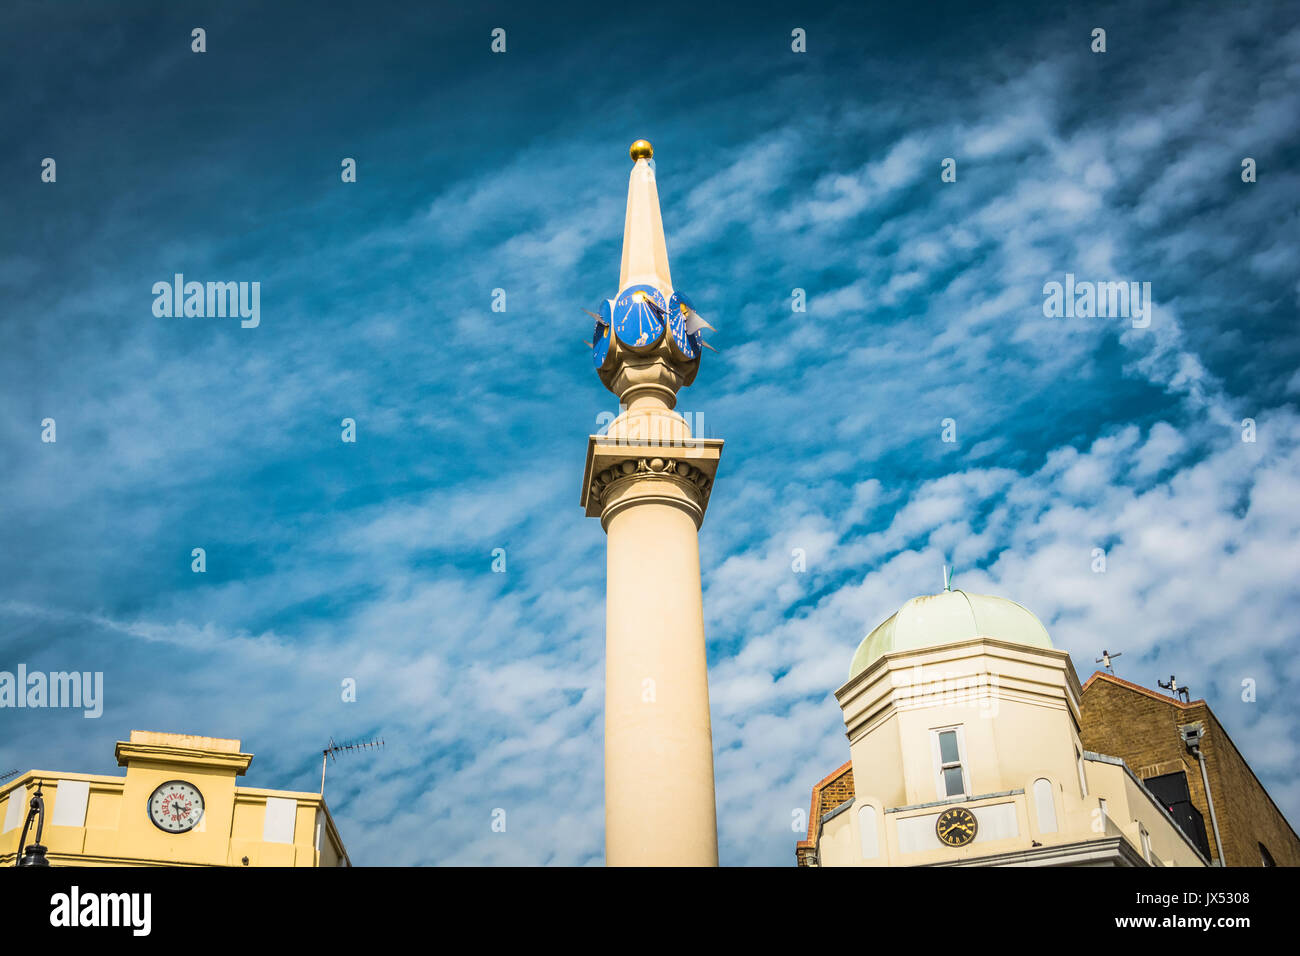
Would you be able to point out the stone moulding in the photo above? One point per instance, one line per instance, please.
(631, 468)
(613, 465)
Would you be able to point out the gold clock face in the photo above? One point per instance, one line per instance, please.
(956, 827)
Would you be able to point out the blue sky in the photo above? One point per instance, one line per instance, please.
(777, 171)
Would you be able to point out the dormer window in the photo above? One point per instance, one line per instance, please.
(948, 744)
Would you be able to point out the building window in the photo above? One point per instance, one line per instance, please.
(1045, 805)
(1265, 858)
(1146, 845)
(1083, 779)
(949, 748)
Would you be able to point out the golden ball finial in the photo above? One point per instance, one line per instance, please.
(641, 149)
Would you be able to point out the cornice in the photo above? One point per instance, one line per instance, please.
(127, 752)
(620, 472)
(886, 688)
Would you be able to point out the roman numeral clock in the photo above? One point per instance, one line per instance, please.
(956, 827)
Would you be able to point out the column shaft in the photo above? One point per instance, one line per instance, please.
(659, 798)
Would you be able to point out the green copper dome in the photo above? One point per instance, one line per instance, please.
(946, 618)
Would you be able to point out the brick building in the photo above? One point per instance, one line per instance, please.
(831, 792)
(1142, 727)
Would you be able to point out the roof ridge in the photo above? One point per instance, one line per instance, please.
(1140, 689)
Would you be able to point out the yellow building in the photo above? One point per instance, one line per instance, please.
(177, 805)
(963, 724)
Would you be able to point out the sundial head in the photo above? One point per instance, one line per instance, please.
(650, 347)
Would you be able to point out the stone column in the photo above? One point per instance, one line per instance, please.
(650, 482)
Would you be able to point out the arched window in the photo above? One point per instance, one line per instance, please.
(1045, 805)
(1265, 858)
(867, 831)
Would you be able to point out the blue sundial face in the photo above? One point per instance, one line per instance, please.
(678, 309)
(600, 335)
(639, 313)
(600, 345)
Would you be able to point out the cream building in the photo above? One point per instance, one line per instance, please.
(176, 805)
(963, 728)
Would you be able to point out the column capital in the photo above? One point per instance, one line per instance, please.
(621, 472)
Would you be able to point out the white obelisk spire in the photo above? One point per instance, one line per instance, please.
(645, 254)
(649, 480)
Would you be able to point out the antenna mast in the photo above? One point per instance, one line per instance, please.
(330, 753)
(1174, 689)
(1106, 658)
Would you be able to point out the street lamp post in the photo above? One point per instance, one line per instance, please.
(34, 854)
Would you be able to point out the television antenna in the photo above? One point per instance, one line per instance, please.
(1107, 657)
(333, 750)
(1174, 689)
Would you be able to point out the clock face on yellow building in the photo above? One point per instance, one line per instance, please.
(956, 827)
(176, 806)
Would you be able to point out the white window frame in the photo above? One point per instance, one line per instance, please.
(940, 788)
